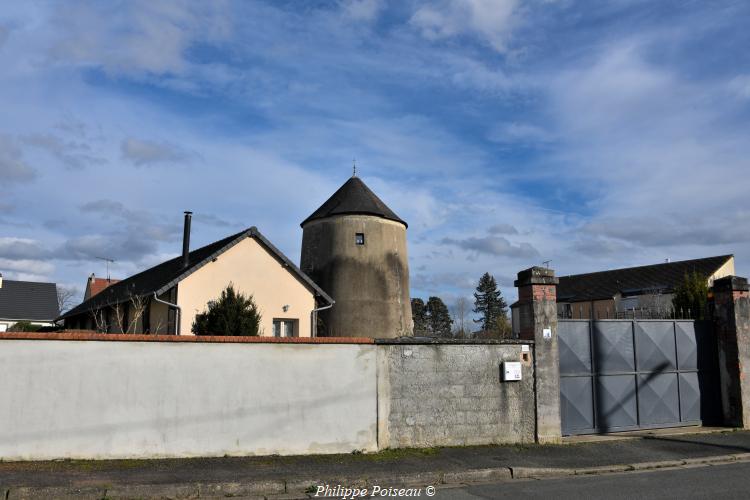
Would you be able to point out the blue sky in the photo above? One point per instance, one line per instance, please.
(507, 133)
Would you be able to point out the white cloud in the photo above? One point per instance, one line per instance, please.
(659, 154)
(362, 10)
(740, 86)
(34, 270)
(470, 74)
(489, 20)
(520, 134)
(143, 38)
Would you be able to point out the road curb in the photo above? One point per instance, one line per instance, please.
(540, 472)
(56, 492)
(548, 472)
(477, 475)
(603, 469)
(300, 488)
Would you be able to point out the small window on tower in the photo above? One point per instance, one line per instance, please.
(360, 239)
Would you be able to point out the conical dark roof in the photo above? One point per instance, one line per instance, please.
(354, 197)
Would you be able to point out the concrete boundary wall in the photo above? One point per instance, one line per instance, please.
(82, 399)
(92, 396)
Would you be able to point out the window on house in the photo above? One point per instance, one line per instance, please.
(567, 311)
(629, 303)
(285, 327)
(360, 238)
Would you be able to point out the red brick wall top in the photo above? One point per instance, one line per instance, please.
(119, 337)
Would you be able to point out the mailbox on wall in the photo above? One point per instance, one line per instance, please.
(511, 370)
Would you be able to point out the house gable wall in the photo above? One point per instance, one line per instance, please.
(253, 271)
(726, 270)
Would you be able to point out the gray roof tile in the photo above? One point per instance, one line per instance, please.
(28, 300)
(606, 284)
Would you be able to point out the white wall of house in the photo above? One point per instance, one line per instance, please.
(6, 324)
(726, 270)
(108, 399)
(279, 293)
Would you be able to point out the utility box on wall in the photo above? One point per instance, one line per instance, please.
(511, 370)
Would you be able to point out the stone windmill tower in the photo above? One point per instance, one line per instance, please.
(354, 248)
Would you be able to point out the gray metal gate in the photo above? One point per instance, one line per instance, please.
(618, 375)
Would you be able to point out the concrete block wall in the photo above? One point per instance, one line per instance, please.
(442, 394)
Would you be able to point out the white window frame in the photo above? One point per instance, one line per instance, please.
(284, 325)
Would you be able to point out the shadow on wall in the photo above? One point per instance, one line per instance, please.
(605, 420)
(616, 408)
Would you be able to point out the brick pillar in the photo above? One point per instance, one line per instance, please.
(537, 309)
(732, 326)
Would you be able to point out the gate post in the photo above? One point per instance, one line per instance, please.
(537, 309)
(732, 324)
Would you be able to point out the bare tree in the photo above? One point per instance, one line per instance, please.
(157, 327)
(100, 322)
(137, 307)
(128, 313)
(461, 308)
(120, 312)
(504, 328)
(65, 298)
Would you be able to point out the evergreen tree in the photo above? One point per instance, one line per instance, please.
(24, 326)
(232, 314)
(438, 318)
(490, 304)
(419, 316)
(690, 297)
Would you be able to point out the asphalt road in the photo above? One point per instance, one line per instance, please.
(716, 481)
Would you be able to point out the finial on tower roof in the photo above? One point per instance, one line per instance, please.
(354, 167)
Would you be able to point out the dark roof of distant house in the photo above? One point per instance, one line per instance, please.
(95, 285)
(634, 280)
(28, 300)
(354, 197)
(164, 276)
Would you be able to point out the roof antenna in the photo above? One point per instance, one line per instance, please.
(108, 261)
(354, 167)
(546, 263)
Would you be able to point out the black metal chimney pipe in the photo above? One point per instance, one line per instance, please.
(186, 240)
